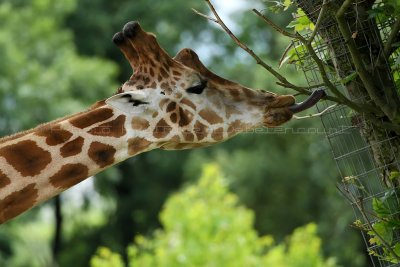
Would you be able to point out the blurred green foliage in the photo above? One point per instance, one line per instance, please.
(41, 76)
(204, 225)
(57, 60)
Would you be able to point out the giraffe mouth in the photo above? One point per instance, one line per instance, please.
(276, 116)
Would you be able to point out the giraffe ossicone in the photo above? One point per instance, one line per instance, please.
(168, 103)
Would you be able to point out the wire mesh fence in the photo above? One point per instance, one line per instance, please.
(369, 183)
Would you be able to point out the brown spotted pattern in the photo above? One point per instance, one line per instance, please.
(137, 144)
(218, 134)
(200, 130)
(4, 180)
(72, 147)
(139, 123)
(92, 117)
(26, 157)
(102, 154)
(55, 135)
(69, 175)
(17, 202)
(210, 116)
(236, 127)
(162, 129)
(184, 117)
(189, 103)
(114, 128)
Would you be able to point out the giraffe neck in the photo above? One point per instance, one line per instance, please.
(42, 162)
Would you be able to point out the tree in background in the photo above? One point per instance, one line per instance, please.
(215, 231)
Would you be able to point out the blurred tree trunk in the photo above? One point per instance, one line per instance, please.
(57, 238)
(384, 143)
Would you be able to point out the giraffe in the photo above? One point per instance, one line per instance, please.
(168, 103)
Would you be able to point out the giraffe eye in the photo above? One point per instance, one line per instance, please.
(197, 89)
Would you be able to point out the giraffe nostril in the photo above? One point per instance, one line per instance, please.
(162, 92)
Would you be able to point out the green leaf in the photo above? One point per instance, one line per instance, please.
(382, 210)
(384, 232)
(301, 22)
(349, 78)
(287, 4)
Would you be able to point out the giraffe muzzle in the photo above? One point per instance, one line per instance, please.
(313, 99)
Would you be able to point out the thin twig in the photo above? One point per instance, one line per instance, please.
(308, 44)
(274, 26)
(283, 81)
(325, 78)
(392, 37)
(318, 23)
(287, 49)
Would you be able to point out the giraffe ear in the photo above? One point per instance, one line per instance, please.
(128, 102)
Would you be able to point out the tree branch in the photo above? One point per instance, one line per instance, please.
(282, 80)
(340, 98)
(318, 23)
(388, 107)
(274, 26)
(393, 37)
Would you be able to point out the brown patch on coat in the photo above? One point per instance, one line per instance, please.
(218, 134)
(26, 157)
(165, 86)
(164, 73)
(55, 135)
(72, 148)
(162, 129)
(189, 103)
(185, 117)
(249, 93)
(176, 72)
(18, 202)
(174, 117)
(114, 128)
(235, 93)
(139, 123)
(171, 106)
(4, 180)
(200, 130)
(137, 144)
(69, 175)
(210, 116)
(229, 110)
(188, 136)
(102, 154)
(151, 72)
(91, 118)
(163, 102)
(235, 127)
(153, 85)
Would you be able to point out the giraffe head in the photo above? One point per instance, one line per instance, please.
(177, 103)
